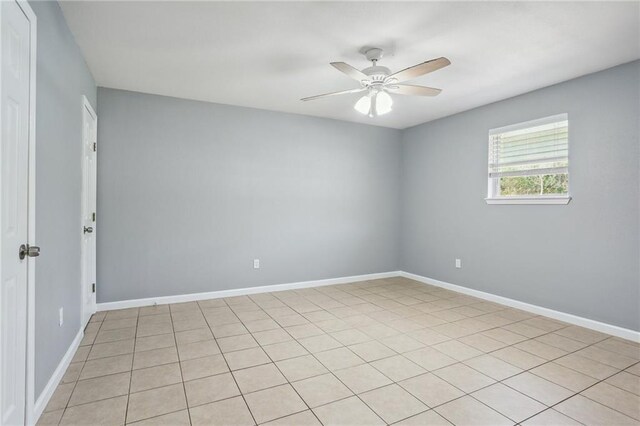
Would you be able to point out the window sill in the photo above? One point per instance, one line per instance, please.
(529, 200)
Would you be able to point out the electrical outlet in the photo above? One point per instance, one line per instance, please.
(458, 263)
(256, 263)
(60, 317)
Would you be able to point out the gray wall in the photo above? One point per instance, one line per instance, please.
(190, 193)
(62, 79)
(581, 258)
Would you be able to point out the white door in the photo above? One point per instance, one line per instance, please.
(88, 226)
(14, 157)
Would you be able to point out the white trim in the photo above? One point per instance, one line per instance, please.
(133, 303)
(48, 390)
(602, 327)
(531, 123)
(528, 200)
(85, 104)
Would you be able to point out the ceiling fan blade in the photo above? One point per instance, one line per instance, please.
(342, 92)
(352, 72)
(410, 89)
(420, 69)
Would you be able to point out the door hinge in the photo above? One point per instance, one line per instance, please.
(93, 288)
(93, 216)
(95, 146)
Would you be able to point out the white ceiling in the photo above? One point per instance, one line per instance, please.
(270, 54)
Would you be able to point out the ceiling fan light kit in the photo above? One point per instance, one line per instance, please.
(379, 82)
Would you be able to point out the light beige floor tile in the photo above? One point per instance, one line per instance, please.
(304, 418)
(564, 376)
(362, 378)
(189, 324)
(540, 349)
(398, 368)
(429, 358)
(551, 418)
(504, 336)
(320, 390)
(457, 350)
(246, 358)
(203, 367)
(482, 343)
(561, 342)
(402, 343)
(525, 330)
(349, 411)
(606, 357)
(509, 402)
(236, 343)
(493, 367)
(103, 350)
(99, 388)
(258, 378)
(81, 354)
(336, 359)
(371, 351)
(104, 366)
(119, 323)
(430, 418)
(587, 366)
(179, 418)
(73, 372)
(261, 325)
(590, 412)
(518, 357)
(463, 377)
(582, 334)
(429, 337)
(431, 389)
(210, 389)
(301, 367)
(155, 342)
(107, 412)
(392, 403)
(625, 402)
(155, 357)
(468, 411)
(198, 350)
(320, 343)
(154, 329)
(191, 336)
(155, 377)
(626, 381)
(538, 388)
(262, 405)
(634, 369)
(105, 336)
(350, 337)
(269, 337)
(285, 350)
(88, 339)
(155, 402)
(60, 397)
(153, 310)
(50, 418)
(229, 412)
(622, 347)
(121, 313)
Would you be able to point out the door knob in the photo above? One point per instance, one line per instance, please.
(27, 250)
(88, 229)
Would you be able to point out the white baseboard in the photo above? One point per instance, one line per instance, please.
(134, 303)
(614, 330)
(48, 390)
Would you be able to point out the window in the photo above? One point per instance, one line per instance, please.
(529, 162)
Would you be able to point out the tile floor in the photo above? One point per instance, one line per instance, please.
(391, 351)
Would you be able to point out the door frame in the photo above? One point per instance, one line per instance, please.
(86, 105)
(31, 214)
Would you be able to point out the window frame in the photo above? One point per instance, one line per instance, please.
(492, 183)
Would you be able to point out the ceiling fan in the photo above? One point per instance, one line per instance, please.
(378, 82)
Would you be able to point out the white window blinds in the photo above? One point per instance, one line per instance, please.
(539, 147)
